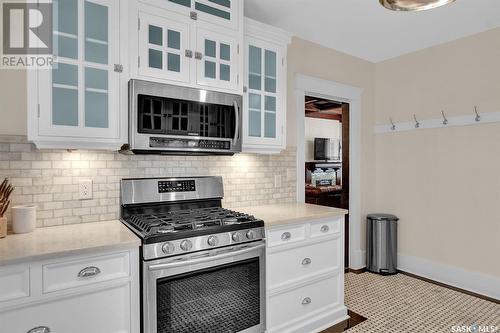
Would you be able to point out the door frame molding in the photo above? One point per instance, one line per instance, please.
(313, 86)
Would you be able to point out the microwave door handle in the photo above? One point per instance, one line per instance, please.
(202, 260)
(237, 121)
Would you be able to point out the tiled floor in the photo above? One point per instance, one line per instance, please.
(402, 304)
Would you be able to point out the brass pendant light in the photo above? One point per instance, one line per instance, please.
(413, 5)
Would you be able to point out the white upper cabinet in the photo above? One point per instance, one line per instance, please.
(78, 103)
(264, 116)
(218, 65)
(194, 43)
(163, 43)
(224, 13)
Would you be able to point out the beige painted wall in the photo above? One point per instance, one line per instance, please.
(444, 184)
(314, 60)
(13, 102)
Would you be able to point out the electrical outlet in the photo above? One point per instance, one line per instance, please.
(277, 181)
(85, 188)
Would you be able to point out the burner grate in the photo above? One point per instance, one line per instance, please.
(185, 220)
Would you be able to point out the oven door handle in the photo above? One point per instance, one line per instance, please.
(237, 122)
(206, 259)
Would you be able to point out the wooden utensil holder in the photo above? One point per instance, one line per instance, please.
(3, 227)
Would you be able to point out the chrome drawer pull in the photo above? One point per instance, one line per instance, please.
(325, 228)
(39, 329)
(88, 272)
(306, 261)
(286, 236)
(306, 301)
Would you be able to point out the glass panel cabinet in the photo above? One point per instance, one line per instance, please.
(220, 12)
(265, 76)
(264, 103)
(80, 96)
(217, 64)
(164, 47)
(176, 46)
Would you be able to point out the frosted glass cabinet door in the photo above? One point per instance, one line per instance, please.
(264, 97)
(79, 97)
(220, 12)
(217, 62)
(163, 47)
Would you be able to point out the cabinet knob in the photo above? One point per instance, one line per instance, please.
(118, 68)
(88, 272)
(39, 329)
(325, 228)
(306, 261)
(198, 55)
(193, 15)
(286, 236)
(189, 53)
(306, 301)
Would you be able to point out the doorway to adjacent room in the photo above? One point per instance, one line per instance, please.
(327, 156)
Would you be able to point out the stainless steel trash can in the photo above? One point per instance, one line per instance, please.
(382, 243)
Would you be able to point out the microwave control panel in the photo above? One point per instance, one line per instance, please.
(169, 186)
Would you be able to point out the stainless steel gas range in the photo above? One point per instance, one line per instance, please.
(202, 265)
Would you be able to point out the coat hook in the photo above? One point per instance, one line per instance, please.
(478, 117)
(417, 124)
(445, 120)
(393, 126)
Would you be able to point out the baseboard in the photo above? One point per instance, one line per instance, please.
(472, 282)
(357, 260)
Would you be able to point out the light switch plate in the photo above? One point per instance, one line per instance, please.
(85, 189)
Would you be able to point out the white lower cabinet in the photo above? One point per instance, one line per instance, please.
(96, 293)
(103, 311)
(305, 276)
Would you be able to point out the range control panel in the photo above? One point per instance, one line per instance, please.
(176, 186)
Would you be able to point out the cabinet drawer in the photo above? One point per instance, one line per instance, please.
(302, 262)
(105, 311)
(14, 283)
(70, 274)
(324, 228)
(287, 235)
(294, 305)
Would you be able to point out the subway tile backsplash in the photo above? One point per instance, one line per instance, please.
(50, 178)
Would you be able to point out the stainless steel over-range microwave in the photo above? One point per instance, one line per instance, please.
(168, 119)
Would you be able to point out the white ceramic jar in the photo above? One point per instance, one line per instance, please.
(23, 219)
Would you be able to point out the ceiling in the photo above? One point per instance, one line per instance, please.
(363, 28)
(323, 108)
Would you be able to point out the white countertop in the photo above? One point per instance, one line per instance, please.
(45, 243)
(279, 214)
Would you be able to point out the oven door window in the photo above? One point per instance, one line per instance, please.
(222, 299)
(169, 116)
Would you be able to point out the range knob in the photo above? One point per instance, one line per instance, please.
(168, 248)
(250, 234)
(212, 240)
(237, 237)
(186, 245)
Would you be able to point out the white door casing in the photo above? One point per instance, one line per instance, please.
(312, 86)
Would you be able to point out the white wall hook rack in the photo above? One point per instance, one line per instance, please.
(442, 122)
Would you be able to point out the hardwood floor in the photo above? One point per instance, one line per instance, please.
(346, 324)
